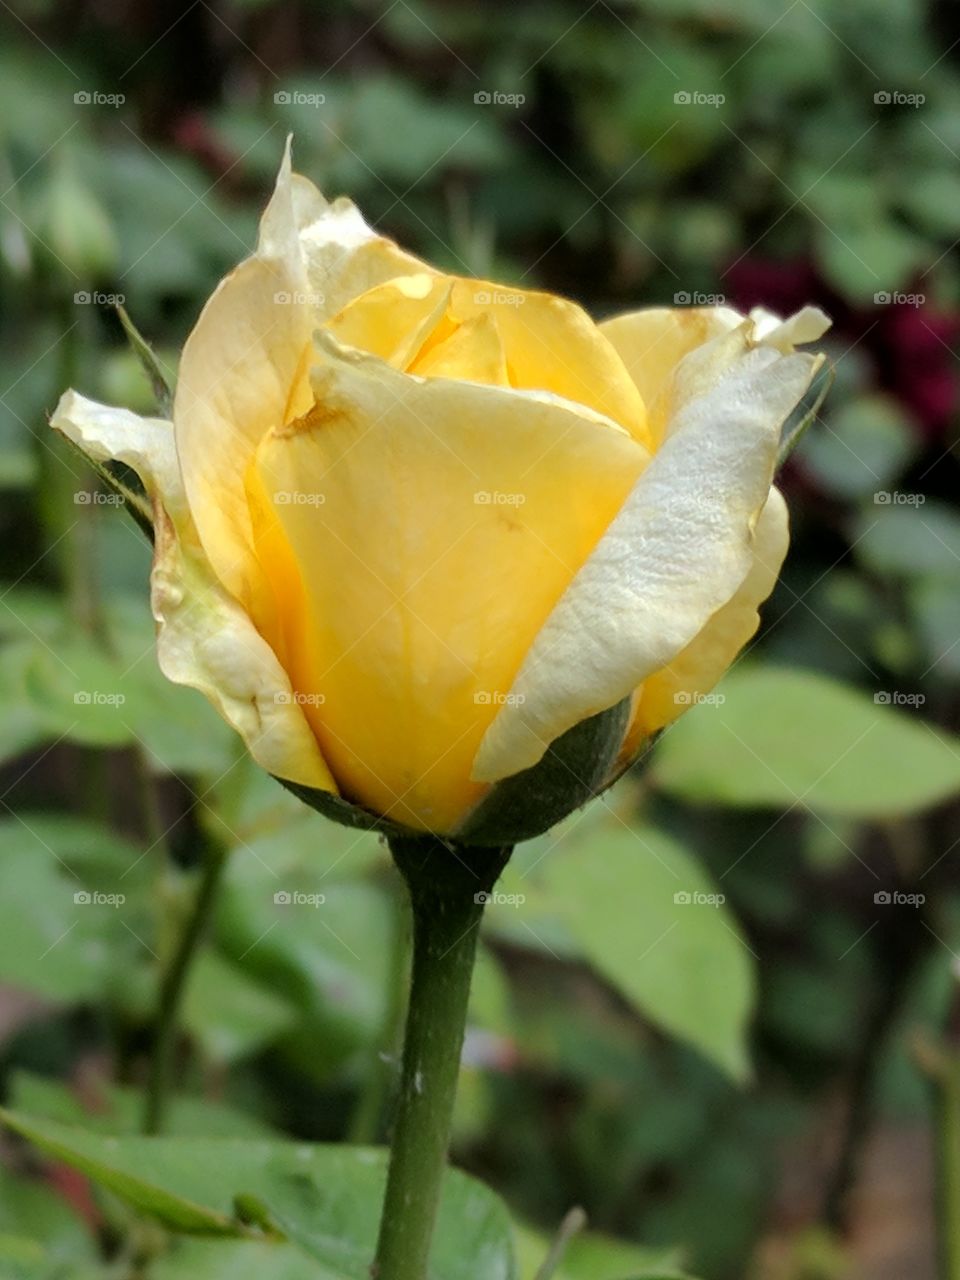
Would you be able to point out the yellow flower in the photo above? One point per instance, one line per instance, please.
(412, 527)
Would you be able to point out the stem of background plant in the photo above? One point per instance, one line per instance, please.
(940, 1062)
(174, 985)
(949, 1167)
(448, 886)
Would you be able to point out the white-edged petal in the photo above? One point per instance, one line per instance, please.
(676, 553)
(205, 639)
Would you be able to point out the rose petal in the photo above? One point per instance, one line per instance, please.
(205, 639)
(675, 554)
(434, 523)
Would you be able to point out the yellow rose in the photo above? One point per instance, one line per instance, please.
(412, 528)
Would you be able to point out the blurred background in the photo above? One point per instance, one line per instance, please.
(719, 1008)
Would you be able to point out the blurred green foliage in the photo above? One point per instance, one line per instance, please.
(721, 961)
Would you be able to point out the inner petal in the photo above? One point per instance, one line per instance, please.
(432, 526)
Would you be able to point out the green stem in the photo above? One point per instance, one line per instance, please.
(173, 987)
(949, 1166)
(448, 886)
(573, 1223)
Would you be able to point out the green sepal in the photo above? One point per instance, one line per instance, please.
(149, 362)
(345, 812)
(805, 412)
(123, 481)
(574, 768)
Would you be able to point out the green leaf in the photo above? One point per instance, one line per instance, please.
(30, 1209)
(861, 448)
(591, 1256)
(935, 604)
(863, 258)
(782, 737)
(643, 913)
(324, 1198)
(230, 1015)
(51, 942)
(190, 1259)
(119, 1109)
(907, 538)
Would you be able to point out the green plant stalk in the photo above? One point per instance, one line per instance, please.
(448, 886)
(172, 990)
(948, 1090)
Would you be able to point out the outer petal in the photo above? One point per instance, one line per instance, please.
(419, 512)
(653, 342)
(245, 366)
(676, 553)
(696, 669)
(205, 639)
